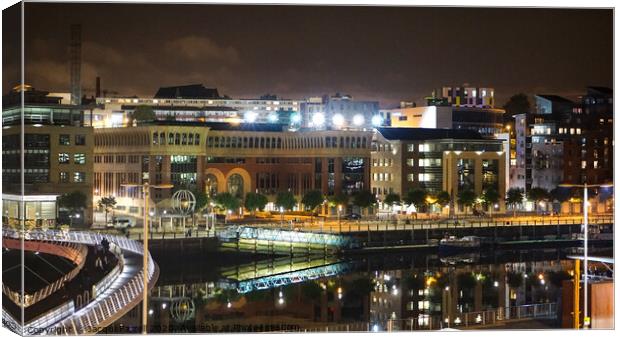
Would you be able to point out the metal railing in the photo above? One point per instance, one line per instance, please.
(122, 294)
(165, 235)
(106, 281)
(40, 324)
(282, 235)
(73, 251)
(287, 278)
(333, 228)
(473, 319)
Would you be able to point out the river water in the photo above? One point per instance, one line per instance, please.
(211, 292)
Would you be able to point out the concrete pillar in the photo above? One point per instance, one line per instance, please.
(478, 296)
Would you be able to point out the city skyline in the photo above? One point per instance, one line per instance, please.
(387, 54)
(240, 168)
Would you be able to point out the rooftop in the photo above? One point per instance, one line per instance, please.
(427, 134)
(197, 91)
(600, 90)
(260, 127)
(555, 98)
(181, 108)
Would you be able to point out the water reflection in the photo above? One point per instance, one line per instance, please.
(388, 292)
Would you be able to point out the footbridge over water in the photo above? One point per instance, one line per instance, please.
(112, 296)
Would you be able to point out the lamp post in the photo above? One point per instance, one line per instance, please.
(145, 246)
(586, 319)
(339, 224)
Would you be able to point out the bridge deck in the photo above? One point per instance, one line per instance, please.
(117, 296)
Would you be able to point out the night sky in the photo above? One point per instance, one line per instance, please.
(380, 53)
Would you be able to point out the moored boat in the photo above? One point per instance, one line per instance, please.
(454, 244)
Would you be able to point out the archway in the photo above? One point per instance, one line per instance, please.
(234, 185)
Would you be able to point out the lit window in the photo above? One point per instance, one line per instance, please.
(410, 162)
(424, 177)
(63, 158)
(79, 158)
(64, 177)
(64, 140)
(595, 164)
(424, 147)
(80, 139)
(79, 177)
(578, 131)
(410, 177)
(583, 164)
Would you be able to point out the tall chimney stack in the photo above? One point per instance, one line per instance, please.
(75, 60)
(98, 87)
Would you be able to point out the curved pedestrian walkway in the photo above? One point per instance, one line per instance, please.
(116, 294)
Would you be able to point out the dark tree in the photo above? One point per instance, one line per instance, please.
(312, 199)
(514, 197)
(338, 199)
(443, 198)
(417, 198)
(254, 201)
(517, 104)
(364, 199)
(227, 201)
(286, 200)
(490, 197)
(392, 199)
(201, 200)
(143, 113)
(107, 203)
(467, 198)
(537, 194)
(514, 279)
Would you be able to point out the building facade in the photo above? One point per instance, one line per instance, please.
(463, 96)
(487, 121)
(437, 160)
(58, 157)
(564, 142)
(234, 158)
(195, 103)
(339, 112)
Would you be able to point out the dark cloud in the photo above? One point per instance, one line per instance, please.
(388, 54)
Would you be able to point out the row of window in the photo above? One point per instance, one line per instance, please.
(159, 138)
(382, 162)
(422, 177)
(78, 177)
(132, 159)
(201, 101)
(382, 191)
(65, 139)
(382, 176)
(78, 158)
(382, 147)
(286, 143)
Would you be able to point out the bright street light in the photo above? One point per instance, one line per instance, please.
(318, 119)
(295, 118)
(377, 120)
(250, 117)
(338, 120)
(358, 120)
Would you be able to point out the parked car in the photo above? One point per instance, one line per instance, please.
(121, 223)
(354, 216)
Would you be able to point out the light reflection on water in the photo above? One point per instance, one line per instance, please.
(419, 291)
